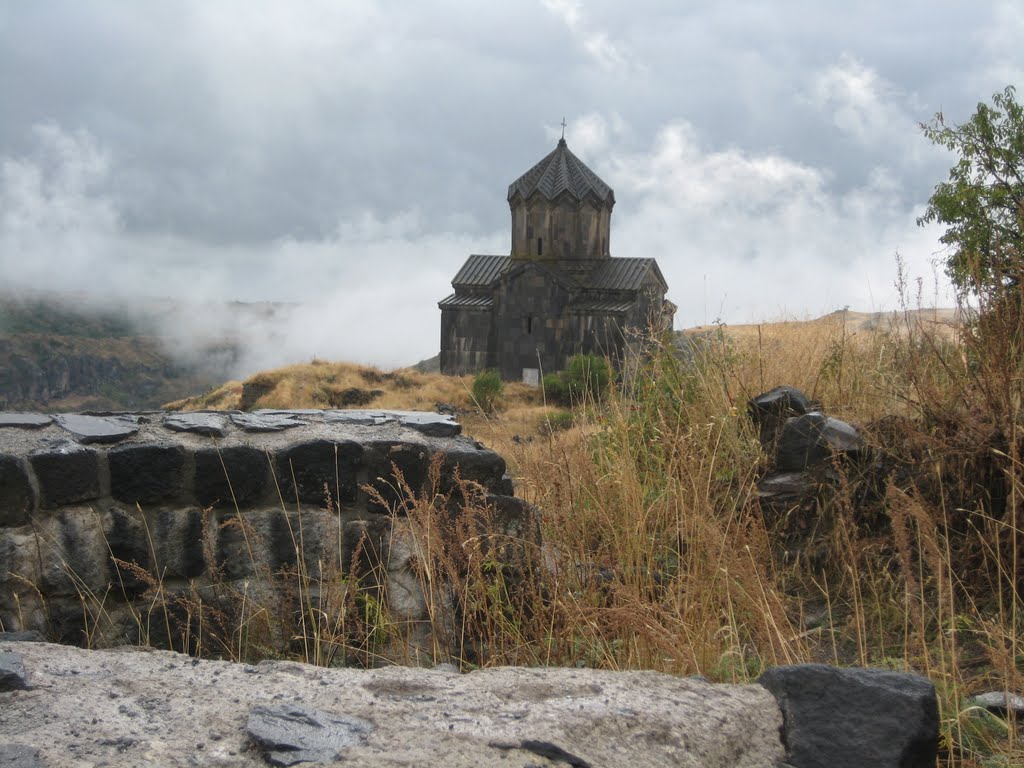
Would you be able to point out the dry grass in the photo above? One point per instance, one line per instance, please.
(322, 384)
(656, 552)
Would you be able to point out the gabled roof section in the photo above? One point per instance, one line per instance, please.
(455, 301)
(480, 271)
(609, 306)
(623, 274)
(561, 171)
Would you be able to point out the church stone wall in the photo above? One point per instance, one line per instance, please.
(532, 327)
(466, 336)
(599, 334)
(566, 228)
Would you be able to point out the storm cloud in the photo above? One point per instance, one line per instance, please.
(348, 155)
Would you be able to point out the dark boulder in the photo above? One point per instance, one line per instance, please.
(852, 718)
(812, 439)
(770, 409)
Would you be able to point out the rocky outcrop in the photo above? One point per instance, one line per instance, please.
(36, 369)
(106, 518)
(134, 706)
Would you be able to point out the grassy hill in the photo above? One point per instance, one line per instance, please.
(60, 352)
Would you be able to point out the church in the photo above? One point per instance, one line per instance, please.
(560, 292)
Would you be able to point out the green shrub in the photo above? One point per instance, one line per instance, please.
(556, 389)
(556, 421)
(587, 377)
(487, 389)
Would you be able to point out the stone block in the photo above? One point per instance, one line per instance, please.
(382, 458)
(17, 496)
(67, 474)
(233, 475)
(475, 463)
(238, 550)
(365, 548)
(179, 543)
(305, 470)
(851, 718)
(268, 541)
(147, 473)
(128, 545)
(265, 422)
(19, 565)
(73, 554)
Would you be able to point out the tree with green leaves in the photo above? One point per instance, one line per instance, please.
(982, 203)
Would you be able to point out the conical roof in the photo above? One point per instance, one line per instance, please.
(561, 171)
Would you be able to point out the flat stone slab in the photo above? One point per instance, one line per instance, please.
(356, 418)
(430, 424)
(97, 429)
(24, 420)
(260, 421)
(131, 707)
(198, 423)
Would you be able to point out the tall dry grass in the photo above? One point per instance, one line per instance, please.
(655, 552)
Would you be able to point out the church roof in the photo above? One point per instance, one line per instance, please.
(454, 301)
(614, 274)
(480, 270)
(623, 274)
(561, 171)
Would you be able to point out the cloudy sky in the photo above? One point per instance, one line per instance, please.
(349, 154)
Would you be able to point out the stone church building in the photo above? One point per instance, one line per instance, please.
(560, 292)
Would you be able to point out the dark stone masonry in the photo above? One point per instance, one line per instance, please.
(82, 496)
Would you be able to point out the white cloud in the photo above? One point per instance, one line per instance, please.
(742, 236)
(567, 10)
(608, 54)
(860, 102)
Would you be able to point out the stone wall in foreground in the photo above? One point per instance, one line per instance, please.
(84, 495)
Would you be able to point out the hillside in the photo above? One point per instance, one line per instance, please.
(60, 352)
